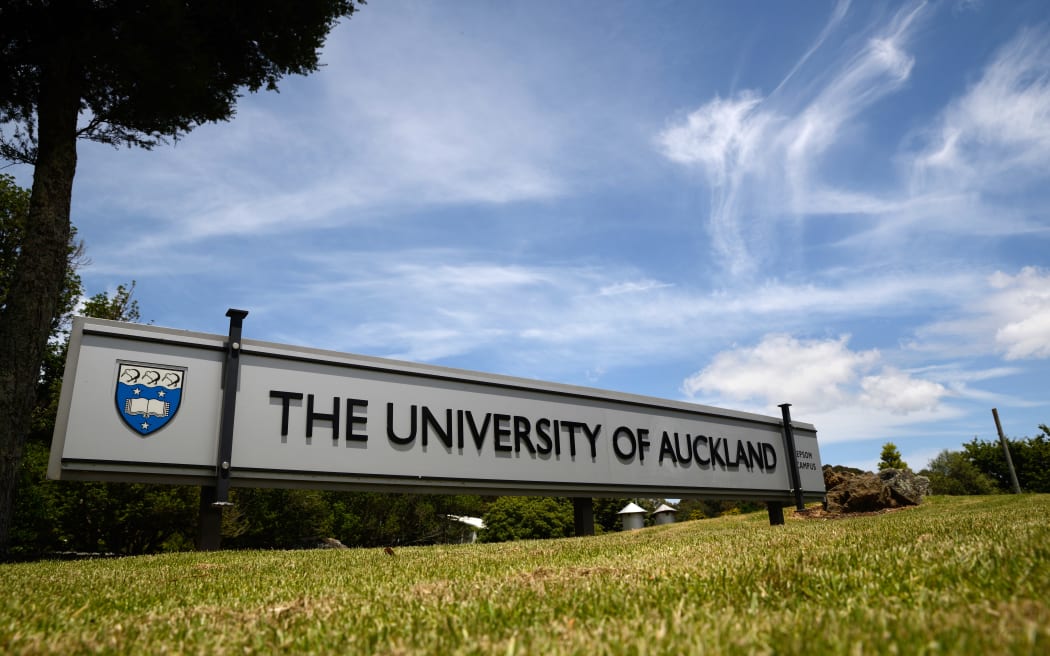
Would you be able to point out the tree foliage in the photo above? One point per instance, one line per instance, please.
(527, 518)
(951, 472)
(14, 214)
(14, 211)
(382, 519)
(120, 307)
(122, 518)
(1030, 455)
(149, 70)
(14, 217)
(140, 73)
(691, 508)
(277, 519)
(606, 513)
(288, 519)
(890, 458)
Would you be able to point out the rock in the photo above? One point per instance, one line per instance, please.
(860, 493)
(833, 479)
(331, 543)
(906, 485)
(867, 492)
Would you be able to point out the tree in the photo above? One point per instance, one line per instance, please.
(527, 518)
(14, 210)
(141, 73)
(690, 508)
(121, 307)
(606, 513)
(384, 519)
(280, 518)
(1030, 455)
(951, 472)
(276, 518)
(124, 518)
(14, 216)
(891, 458)
(37, 526)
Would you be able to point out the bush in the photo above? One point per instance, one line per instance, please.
(1030, 455)
(527, 518)
(951, 472)
(278, 519)
(121, 518)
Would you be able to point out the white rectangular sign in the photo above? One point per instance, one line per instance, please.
(142, 403)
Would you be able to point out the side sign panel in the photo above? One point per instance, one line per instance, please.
(167, 427)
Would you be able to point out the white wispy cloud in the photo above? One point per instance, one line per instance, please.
(867, 393)
(998, 132)
(811, 373)
(1008, 315)
(761, 155)
(900, 393)
(1023, 306)
(445, 122)
(719, 136)
(849, 394)
(437, 304)
(768, 158)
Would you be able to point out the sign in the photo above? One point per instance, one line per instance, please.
(143, 403)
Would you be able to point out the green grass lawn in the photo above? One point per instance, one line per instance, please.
(965, 575)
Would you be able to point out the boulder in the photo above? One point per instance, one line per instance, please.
(833, 478)
(867, 492)
(906, 485)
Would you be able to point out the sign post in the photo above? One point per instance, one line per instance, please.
(216, 497)
(789, 444)
(582, 516)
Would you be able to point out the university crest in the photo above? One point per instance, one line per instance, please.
(148, 396)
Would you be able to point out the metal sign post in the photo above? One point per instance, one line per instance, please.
(583, 516)
(789, 445)
(230, 378)
(215, 498)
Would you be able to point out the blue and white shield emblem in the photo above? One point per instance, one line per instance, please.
(148, 395)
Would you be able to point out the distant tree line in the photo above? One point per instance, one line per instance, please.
(980, 467)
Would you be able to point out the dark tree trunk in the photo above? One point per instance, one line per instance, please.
(40, 272)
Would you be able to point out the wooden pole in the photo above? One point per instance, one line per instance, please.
(1006, 452)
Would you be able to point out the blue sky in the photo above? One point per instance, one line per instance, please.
(839, 205)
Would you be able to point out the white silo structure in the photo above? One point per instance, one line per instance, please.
(665, 514)
(633, 516)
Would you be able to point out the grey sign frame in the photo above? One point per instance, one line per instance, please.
(343, 398)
